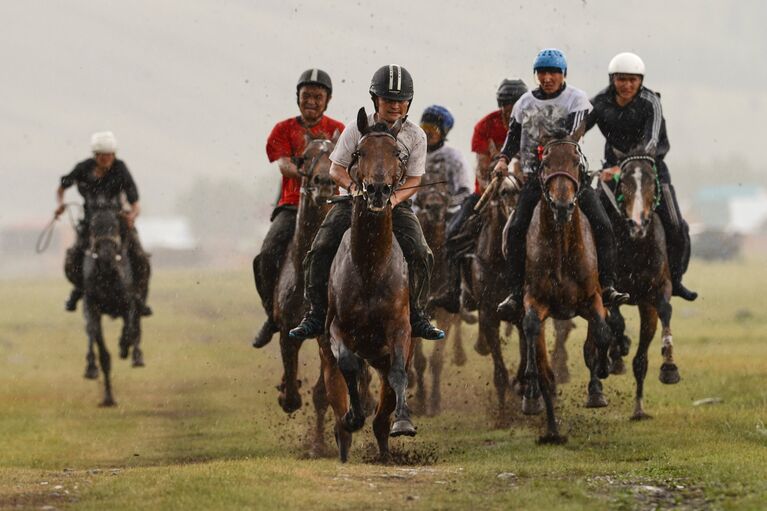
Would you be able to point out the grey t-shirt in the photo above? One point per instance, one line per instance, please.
(411, 139)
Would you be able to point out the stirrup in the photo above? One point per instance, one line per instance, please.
(311, 326)
(611, 297)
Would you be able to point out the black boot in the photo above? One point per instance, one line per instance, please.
(71, 303)
(264, 336)
(511, 307)
(611, 296)
(421, 327)
(312, 325)
(678, 289)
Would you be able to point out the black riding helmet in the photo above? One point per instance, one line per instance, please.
(392, 82)
(509, 91)
(315, 77)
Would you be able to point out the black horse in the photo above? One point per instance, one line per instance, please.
(109, 288)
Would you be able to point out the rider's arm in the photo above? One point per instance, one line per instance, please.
(653, 121)
(513, 138)
(287, 168)
(403, 194)
(341, 176)
(574, 120)
(60, 207)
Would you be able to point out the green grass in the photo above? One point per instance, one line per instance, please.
(200, 428)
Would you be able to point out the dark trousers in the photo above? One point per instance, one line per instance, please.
(516, 232)
(677, 231)
(408, 232)
(266, 265)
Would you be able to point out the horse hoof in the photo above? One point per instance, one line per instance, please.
(640, 416)
(469, 318)
(124, 351)
(532, 406)
(107, 403)
(617, 366)
(138, 359)
(91, 373)
(459, 358)
(596, 401)
(289, 405)
(402, 427)
(669, 374)
(482, 348)
(352, 423)
(552, 439)
(384, 458)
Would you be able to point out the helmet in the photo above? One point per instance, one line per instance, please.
(315, 77)
(439, 116)
(509, 91)
(392, 82)
(103, 142)
(628, 63)
(550, 57)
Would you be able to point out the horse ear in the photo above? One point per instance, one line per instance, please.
(307, 138)
(397, 126)
(579, 131)
(336, 136)
(619, 154)
(362, 121)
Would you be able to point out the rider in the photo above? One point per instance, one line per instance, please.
(629, 115)
(285, 144)
(491, 128)
(391, 90)
(436, 122)
(104, 176)
(553, 105)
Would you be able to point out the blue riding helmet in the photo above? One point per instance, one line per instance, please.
(551, 58)
(440, 116)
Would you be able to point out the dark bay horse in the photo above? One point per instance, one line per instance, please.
(368, 313)
(109, 288)
(316, 188)
(561, 281)
(643, 268)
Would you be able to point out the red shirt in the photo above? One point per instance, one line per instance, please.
(287, 140)
(490, 127)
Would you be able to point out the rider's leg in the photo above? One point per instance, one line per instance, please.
(73, 268)
(420, 261)
(515, 233)
(677, 233)
(450, 299)
(604, 238)
(317, 269)
(267, 267)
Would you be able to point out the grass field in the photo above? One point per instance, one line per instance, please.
(200, 428)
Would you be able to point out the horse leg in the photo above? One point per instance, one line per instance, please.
(338, 397)
(397, 379)
(459, 354)
(490, 325)
(669, 373)
(95, 334)
(387, 403)
(595, 354)
(562, 330)
(350, 365)
(436, 362)
(533, 327)
(518, 382)
(648, 315)
(416, 374)
(364, 379)
(91, 369)
(134, 320)
(548, 390)
(321, 403)
(289, 397)
(619, 348)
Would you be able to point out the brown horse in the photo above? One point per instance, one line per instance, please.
(368, 313)
(561, 281)
(316, 188)
(643, 268)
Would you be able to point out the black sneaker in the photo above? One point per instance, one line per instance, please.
(312, 325)
(510, 307)
(74, 297)
(265, 334)
(678, 289)
(449, 300)
(421, 327)
(611, 296)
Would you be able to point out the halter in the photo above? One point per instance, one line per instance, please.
(94, 239)
(618, 177)
(402, 156)
(582, 166)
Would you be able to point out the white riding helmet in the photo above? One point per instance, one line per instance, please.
(627, 63)
(103, 142)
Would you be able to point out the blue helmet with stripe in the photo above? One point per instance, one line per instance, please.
(550, 58)
(439, 116)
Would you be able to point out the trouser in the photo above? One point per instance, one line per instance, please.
(266, 265)
(73, 263)
(407, 230)
(516, 232)
(677, 231)
(462, 237)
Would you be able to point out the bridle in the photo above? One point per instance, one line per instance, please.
(95, 239)
(617, 178)
(326, 147)
(543, 151)
(361, 187)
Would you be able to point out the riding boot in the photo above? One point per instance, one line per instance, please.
(420, 326)
(312, 325)
(265, 333)
(74, 297)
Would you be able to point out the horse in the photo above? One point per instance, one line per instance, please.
(561, 280)
(316, 188)
(643, 269)
(368, 312)
(109, 288)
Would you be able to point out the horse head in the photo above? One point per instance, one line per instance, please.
(637, 191)
(379, 165)
(433, 201)
(315, 168)
(105, 239)
(560, 172)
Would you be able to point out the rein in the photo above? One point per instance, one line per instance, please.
(582, 166)
(617, 178)
(361, 188)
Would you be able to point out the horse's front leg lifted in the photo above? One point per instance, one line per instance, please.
(398, 381)
(531, 400)
(350, 366)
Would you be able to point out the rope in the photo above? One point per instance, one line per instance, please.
(44, 240)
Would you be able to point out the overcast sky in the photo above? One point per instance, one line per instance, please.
(192, 88)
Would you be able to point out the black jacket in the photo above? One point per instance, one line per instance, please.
(115, 182)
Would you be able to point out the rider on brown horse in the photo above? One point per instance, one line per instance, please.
(553, 106)
(105, 177)
(391, 90)
(284, 146)
(489, 131)
(629, 115)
